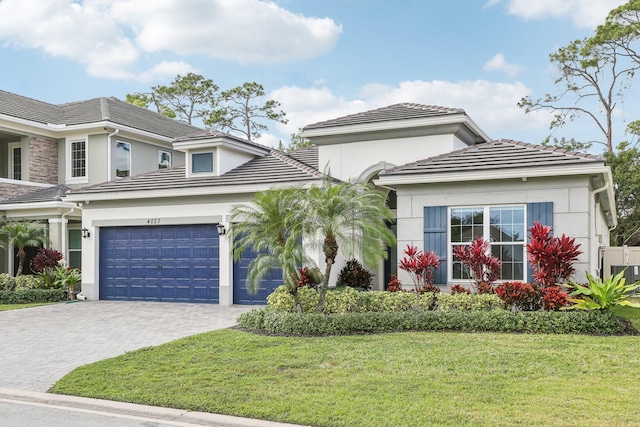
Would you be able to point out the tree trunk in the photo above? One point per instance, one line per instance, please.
(325, 285)
(21, 256)
(296, 298)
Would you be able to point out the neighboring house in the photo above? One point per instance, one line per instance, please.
(47, 149)
(155, 236)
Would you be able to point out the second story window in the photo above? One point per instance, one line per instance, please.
(78, 159)
(202, 162)
(123, 159)
(15, 162)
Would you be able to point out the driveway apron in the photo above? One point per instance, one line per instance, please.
(39, 345)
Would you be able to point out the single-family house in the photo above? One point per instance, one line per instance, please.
(48, 149)
(160, 235)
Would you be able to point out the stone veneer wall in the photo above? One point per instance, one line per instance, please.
(43, 160)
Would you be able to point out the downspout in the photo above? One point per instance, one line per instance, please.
(593, 194)
(63, 238)
(601, 245)
(109, 145)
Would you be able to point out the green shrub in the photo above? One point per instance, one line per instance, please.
(28, 296)
(28, 282)
(282, 300)
(575, 322)
(7, 282)
(345, 300)
(466, 302)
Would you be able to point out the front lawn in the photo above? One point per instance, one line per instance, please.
(5, 307)
(396, 379)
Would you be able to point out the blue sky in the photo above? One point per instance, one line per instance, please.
(320, 59)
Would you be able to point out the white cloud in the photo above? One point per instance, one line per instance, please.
(493, 106)
(584, 13)
(499, 63)
(109, 36)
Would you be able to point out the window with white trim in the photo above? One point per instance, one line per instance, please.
(503, 226)
(75, 248)
(202, 162)
(15, 161)
(123, 159)
(164, 159)
(78, 153)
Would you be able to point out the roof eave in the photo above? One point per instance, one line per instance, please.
(459, 118)
(494, 174)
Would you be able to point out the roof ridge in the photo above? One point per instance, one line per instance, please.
(296, 163)
(549, 148)
(104, 108)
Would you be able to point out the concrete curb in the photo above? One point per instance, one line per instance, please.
(132, 409)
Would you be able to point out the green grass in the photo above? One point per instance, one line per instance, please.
(4, 307)
(399, 379)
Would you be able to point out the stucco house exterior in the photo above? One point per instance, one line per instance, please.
(48, 149)
(155, 236)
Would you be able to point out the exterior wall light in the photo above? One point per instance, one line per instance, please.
(221, 230)
(85, 233)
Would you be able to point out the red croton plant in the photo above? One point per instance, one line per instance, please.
(552, 258)
(484, 268)
(420, 266)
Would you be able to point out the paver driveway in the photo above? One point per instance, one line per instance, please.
(39, 345)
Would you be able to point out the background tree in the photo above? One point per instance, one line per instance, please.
(242, 111)
(297, 142)
(625, 167)
(348, 218)
(592, 78)
(186, 98)
(21, 235)
(271, 226)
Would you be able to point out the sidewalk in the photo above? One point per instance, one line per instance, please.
(134, 411)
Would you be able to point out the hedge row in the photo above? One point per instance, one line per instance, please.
(349, 300)
(552, 322)
(29, 296)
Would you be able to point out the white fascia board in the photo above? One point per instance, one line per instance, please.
(220, 142)
(25, 183)
(111, 125)
(31, 127)
(435, 178)
(397, 124)
(183, 192)
(37, 205)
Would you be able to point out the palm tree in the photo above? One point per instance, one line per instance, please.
(21, 235)
(272, 226)
(347, 217)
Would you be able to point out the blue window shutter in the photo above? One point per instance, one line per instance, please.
(202, 162)
(542, 213)
(435, 238)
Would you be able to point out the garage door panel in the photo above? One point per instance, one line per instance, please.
(271, 281)
(160, 263)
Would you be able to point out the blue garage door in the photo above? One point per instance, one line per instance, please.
(178, 263)
(240, 294)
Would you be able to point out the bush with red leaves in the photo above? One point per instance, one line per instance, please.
(554, 298)
(420, 266)
(394, 284)
(46, 258)
(484, 269)
(519, 295)
(552, 258)
(459, 289)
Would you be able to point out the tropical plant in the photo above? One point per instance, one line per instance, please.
(271, 225)
(45, 258)
(600, 295)
(353, 274)
(459, 289)
(394, 284)
(552, 258)
(420, 266)
(347, 217)
(308, 276)
(483, 269)
(23, 234)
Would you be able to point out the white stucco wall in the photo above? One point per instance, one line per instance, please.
(348, 160)
(575, 213)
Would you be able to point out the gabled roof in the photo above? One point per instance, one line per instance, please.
(274, 168)
(212, 134)
(402, 111)
(495, 155)
(91, 111)
(307, 155)
(51, 194)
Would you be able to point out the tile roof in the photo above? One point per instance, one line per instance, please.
(501, 154)
(307, 155)
(93, 110)
(402, 111)
(212, 133)
(276, 167)
(51, 194)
